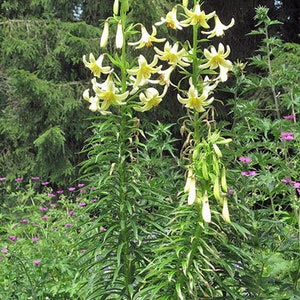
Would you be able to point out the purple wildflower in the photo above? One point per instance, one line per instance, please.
(36, 262)
(286, 136)
(245, 159)
(35, 239)
(60, 192)
(35, 178)
(71, 212)
(68, 225)
(19, 179)
(80, 185)
(247, 174)
(286, 180)
(45, 217)
(13, 238)
(230, 191)
(4, 250)
(2, 178)
(71, 189)
(45, 183)
(43, 208)
(24, 221)
(289, 117)
(81, 204)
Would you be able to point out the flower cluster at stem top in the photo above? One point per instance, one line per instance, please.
(148, 81)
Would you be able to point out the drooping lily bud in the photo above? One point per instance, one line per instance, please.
(119, 36)
(225, 211)
(206, 215)
(116, 7)
(223, 180)
(216, 189)
(105, 34)
(185, 3)
(188, 180)
(192, 191)
(125, 5)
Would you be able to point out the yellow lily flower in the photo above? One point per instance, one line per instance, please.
(150, 99)
(172, 55)
(96, 65)
(197, 16)
(94, 101)
(219, 28)
(217, 60)
(102, 86)
(144, 71)
(171, 20)
(147, 39)
(194, 100)
(109, 96)
(164, 77)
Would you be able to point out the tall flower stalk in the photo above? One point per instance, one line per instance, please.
(141, 85)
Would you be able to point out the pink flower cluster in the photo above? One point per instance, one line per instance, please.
(247, 174)
(295, 184)
(289, 117)
(247, 160)
(286, 136)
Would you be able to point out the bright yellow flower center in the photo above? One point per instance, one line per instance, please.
(95, 69)
(149, 43)
(154, 101)
(171, 25)
(109, 96)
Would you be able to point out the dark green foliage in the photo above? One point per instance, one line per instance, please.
(43, 82)
(133, 189)
(267, 206)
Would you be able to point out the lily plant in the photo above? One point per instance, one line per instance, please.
(121, 86)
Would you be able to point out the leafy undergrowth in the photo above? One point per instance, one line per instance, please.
(39, 230)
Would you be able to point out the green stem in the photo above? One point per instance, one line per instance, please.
(195, 58)
(124, 228)
(123, 54)
(195, 243)
(273, 88)
(123, 139)
(30, 281)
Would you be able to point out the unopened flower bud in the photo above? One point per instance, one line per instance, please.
(206, 215)
(105, 33)
(225, 211)
(192, 191)
(185, 3)
(188, 180)
(119, 36)
(116, 7)
(125, 5)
